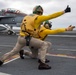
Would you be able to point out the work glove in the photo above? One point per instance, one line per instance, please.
(70, 28)
(68, 9)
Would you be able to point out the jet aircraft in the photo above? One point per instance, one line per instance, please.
(11, 16)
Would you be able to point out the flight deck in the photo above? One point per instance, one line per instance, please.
(62, 57)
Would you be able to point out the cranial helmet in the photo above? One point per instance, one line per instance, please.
(49, 23)
(38, 9)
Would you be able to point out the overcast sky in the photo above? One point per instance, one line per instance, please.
(49, 6)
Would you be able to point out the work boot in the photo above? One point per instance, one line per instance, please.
(21, 54)
(1, 62)
(43, 66)
(46, 61)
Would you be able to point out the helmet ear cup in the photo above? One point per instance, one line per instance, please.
(38, 9)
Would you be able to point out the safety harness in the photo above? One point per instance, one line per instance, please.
(28, 37)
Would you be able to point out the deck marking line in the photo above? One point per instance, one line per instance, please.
(61, 55)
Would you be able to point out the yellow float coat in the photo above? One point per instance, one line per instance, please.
(33, 22)
(44, 32)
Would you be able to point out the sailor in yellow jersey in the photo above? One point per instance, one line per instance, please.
(29, 28)
(44, 31)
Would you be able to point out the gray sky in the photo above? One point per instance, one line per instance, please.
(49, 6)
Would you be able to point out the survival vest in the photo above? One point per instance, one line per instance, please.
(28, 25)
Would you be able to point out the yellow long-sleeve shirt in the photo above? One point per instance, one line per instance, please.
(34, 23)
(44, 32)
(43, 18)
